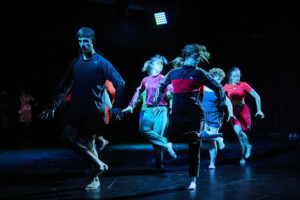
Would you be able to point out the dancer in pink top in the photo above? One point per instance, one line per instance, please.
(155, 119)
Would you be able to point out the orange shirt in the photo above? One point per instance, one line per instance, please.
(112, 91)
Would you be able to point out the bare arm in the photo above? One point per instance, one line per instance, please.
(229, 108)
(258, 103)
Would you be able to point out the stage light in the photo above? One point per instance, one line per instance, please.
(160, 18)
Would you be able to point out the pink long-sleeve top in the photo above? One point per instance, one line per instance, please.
(150, 83)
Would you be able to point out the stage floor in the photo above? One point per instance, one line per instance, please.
(272, 172)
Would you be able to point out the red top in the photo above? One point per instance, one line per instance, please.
(237, 92)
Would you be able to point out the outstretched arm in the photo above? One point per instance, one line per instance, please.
(138, 96)
(113, 76)
(60, 93)
(258, 103)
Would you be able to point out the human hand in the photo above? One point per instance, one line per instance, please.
(129, 109)
(116, 114)
(261, 114)
(45, 114)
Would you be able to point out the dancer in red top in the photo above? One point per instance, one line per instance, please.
(236, 91)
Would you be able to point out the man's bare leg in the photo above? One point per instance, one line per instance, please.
(95, 182)
(87, 151)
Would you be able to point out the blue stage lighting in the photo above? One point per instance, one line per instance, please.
(160, 18)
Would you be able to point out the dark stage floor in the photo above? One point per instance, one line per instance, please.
(272, 172)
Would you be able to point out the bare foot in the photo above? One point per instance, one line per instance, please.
(171, 151)
(220, 141)
(93, 185)
(242, 161)
(191, 186)
(248, 151)
(212, 166)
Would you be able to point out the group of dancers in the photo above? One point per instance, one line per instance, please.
(194, 98)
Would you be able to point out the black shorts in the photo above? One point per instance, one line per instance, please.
(85, 123)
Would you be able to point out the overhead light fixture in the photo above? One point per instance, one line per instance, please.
(160, 18)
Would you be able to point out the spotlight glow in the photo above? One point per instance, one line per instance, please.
(160, 18)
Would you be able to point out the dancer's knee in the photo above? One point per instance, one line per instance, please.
(144, 131)
(238, 131)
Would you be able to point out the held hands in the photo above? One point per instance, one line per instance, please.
(116, 114)
(261, 114)
(45, 114)
(129, 109)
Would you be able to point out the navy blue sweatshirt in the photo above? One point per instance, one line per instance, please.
(84, 76)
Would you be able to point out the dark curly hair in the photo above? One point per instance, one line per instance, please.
(190, 49)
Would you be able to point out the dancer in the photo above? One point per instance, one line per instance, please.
(213, 114)
(236, 91)
(188, 115)
(25, 111)
(87, 75)
(155, 120)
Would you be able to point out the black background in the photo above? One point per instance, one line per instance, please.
(38, 42)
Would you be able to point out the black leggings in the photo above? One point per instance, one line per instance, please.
(181, 124)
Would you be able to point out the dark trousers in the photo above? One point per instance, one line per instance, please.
(181, 124)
